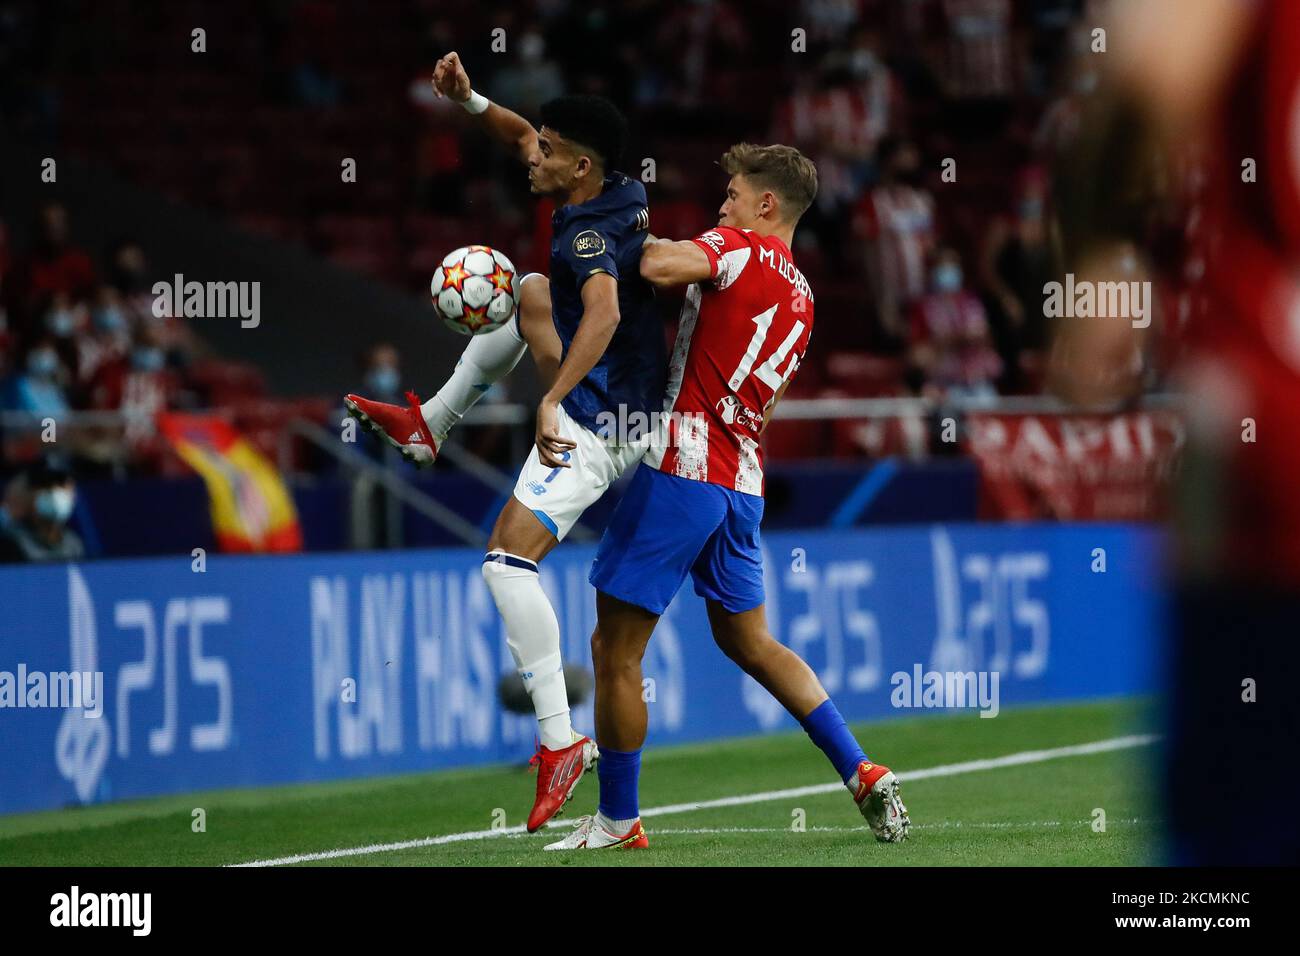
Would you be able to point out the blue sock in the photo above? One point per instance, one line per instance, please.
(829, 732)
(618, 772)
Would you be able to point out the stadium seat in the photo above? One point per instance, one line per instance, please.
(865, 375)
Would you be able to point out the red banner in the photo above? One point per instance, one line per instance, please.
(1074, 466)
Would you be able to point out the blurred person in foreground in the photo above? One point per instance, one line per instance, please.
(37, 514)
(1225, 74)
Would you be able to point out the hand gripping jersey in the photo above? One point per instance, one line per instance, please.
(741, 336)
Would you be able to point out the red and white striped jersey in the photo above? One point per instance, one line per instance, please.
(899, 223)
(741, 336)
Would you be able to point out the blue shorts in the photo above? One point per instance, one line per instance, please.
(666, 526)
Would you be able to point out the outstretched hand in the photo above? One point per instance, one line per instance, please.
(450, 78)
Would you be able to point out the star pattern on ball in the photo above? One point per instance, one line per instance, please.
(454, 277)
(474, 319)
(501, 278)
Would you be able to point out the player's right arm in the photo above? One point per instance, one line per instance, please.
(665, 263)
(451, 80)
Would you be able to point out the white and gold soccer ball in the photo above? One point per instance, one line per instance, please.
(476, 289)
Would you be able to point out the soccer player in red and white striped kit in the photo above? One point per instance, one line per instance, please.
(695, 505)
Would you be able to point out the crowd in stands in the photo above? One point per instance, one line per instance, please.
(933, 124)
(80, 335)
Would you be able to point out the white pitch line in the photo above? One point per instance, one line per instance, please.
(946, 770)
(942, 825)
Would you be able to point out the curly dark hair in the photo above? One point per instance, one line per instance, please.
(591, 122)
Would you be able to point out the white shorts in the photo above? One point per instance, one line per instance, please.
(559, 496)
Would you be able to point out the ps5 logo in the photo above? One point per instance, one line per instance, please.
(81, 746)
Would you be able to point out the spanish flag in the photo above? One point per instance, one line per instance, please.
(251, 508)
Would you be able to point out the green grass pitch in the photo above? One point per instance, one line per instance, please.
(1031, 814)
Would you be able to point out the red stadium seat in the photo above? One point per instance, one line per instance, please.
(223, 382)
(864, 375)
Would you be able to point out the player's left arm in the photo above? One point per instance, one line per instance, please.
(600, 317)
(771, 406)
(665, 263)
(795, 360)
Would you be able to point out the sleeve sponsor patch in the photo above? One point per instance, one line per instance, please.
(588, 244)
(713, 240)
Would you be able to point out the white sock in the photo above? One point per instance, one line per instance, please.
(533, 634)
(486, 360)
(617, 827)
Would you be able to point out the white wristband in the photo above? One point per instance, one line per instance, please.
(476, 103)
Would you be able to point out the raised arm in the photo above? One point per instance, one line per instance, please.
(451, 80)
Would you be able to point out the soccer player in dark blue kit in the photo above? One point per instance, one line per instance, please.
(600, 353)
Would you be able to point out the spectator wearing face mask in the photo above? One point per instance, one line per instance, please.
(37, 386)
(39, 530)
(64, 321)
(1020, 254)
(107, 339)
(949, 342)
(382, 372)
(130, 276)
(140, 385)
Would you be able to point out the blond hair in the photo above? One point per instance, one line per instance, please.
(782, 169)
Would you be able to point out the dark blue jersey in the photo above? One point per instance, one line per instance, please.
(605, 234)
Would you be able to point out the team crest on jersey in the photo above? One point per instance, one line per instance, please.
(588, 244)
(734, 414)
